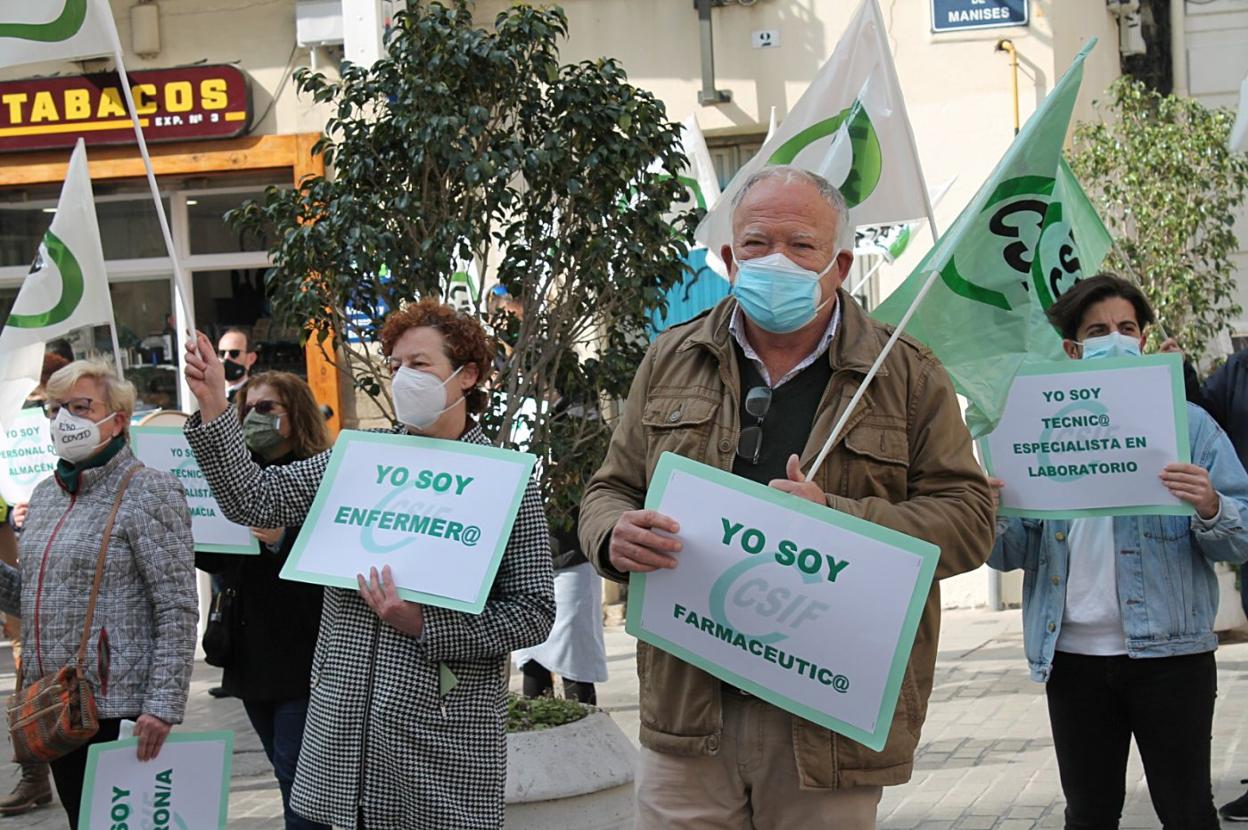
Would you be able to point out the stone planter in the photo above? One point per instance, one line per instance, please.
(1230, 608)
(579, 775)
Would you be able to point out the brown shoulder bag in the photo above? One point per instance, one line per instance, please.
(56, 715)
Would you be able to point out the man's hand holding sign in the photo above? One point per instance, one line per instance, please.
(636, 547)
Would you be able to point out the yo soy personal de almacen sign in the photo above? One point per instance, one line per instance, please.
(806, 607)
(166, 448)
(27, 455)
(1089, 438)
(186, 786)
(438, 512)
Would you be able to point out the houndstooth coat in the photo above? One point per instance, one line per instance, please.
(383, 748)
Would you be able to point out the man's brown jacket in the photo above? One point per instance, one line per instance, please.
(904, 462)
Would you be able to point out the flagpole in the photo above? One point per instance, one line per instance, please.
(875, 368)
(179, 279)
(931, 279)
(867, 276)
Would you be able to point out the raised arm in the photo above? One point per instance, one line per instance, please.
(277, 496)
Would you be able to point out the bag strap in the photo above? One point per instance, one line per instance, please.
(99, 565)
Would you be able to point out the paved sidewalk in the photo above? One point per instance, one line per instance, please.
(986, 761)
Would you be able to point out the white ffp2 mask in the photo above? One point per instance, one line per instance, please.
(419, 397)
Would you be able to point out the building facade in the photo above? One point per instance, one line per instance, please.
(214, 87)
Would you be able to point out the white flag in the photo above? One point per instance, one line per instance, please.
(699, 178)
(1239, 132)
(67, 288)
(54, 30)
(890, 241)
(850, 127)
(700, 175)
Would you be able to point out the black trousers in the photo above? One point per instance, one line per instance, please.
(68, 772)
(1097, 704)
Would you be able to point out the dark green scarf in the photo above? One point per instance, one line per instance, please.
(67, 474)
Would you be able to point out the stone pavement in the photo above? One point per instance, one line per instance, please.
(986, 761)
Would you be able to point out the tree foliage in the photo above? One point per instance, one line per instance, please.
(1160, 172)
(474, 144)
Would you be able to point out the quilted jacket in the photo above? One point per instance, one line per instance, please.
(385, 747)
(142, 641)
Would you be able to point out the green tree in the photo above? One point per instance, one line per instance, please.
(467, 143)
(1160, 173)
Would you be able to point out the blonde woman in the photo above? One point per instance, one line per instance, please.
(142, 640)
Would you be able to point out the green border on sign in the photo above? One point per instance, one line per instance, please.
(928, 554)
(409, 444)
(250, 549)
(1182, 438)
(93, 761)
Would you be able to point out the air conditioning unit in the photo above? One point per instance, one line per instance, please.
(318, 23)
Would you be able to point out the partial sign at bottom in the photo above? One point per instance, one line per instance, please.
(186, 786)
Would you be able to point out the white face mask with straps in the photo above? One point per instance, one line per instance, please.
(420, 397)
(76, 439)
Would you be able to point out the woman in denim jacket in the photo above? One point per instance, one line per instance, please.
(1118, 612)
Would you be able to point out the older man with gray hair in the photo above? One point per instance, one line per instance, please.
(754, 386)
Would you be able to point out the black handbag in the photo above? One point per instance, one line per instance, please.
(219, 632)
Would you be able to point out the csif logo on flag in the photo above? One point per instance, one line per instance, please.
(66, 25)
(73, 287)
(854, 165)
(1021, 242)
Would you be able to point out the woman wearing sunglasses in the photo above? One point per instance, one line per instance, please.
(264, 628)
(390, 743)
(141, 643)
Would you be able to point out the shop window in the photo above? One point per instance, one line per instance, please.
(235, 298)
(146, 335)
(209, 234)
(129, 228)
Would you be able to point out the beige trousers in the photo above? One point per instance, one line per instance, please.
(752, 784)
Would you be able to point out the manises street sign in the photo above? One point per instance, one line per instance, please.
(958, 15)
(190, 102)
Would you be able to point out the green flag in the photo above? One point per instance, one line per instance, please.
(1010, 252)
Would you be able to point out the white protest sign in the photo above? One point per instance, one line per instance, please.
(438, 512)
(1090, 438)
(186, 786)
(166, 448)
(808, 608)
(27, 456)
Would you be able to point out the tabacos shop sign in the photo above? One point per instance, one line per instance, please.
(192, 102)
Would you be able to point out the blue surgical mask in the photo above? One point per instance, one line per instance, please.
(778, 294)
(1114, 344)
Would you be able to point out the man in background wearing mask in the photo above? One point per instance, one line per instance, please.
(1118, 611)
(237, 357)
(755, 386)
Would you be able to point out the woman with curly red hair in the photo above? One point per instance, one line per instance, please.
(388, 745)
